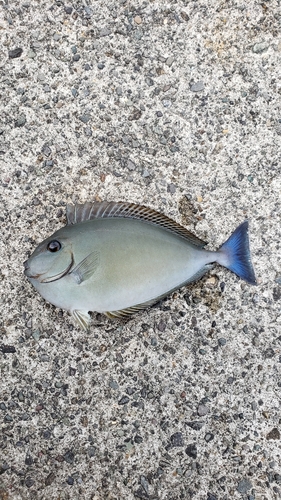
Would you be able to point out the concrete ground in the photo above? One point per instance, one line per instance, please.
(175, 105)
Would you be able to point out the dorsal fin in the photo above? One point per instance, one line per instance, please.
(100, 209)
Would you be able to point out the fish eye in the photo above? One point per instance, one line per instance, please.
(54, 246)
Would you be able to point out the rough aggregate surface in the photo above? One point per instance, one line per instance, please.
(175, 105)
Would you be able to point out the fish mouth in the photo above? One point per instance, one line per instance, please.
(50, 279)
(27, 271)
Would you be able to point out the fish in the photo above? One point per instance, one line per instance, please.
(118, 258)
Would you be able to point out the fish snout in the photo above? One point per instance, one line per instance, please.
(26, 268)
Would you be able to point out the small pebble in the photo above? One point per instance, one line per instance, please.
(20, 121)
(202, 410)
(169, 61)
(195, 425)
(145, 484)
(88, 11)
(258, 48)
(176, 439)
(29, 482)
(269, 353)
(191, 450)
(273, 434)
(36, 335)
(212, 497)
(171, 188)
(244, 486)
(44, 357)
(167, 103)
(113, 384)
(131, 165)
(256, 342)
(7, 349)
(149, 81)
(124, 400)
(46, 150)
(88, 132)
(50, 479)
(28, 460)
(197, 87)
(145, 173)
(130, 390)
(276, 294)
(138, 20)
(21, 396)
(46, 434)
(69, 457)
(161, 326)
(91, 451)
(13, 54)
(85, 118)
(105, 32)
(138, 439)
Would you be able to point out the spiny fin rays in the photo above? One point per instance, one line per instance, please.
(86, 268)
(126, 313)
(82, 318)
(89, 211)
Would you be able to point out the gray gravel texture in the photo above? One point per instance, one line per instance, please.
(175, 105)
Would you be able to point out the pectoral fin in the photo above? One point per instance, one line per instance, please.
(82, 318)
(86, 268)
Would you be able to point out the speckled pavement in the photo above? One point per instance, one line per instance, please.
(175, 105)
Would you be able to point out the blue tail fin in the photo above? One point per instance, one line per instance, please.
(235, 254)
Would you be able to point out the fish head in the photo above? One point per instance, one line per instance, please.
(51, 260)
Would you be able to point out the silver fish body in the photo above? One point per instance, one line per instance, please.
(118, 258)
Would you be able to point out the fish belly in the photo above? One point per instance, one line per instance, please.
(139, 262)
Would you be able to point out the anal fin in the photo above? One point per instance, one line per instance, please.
(128, 311)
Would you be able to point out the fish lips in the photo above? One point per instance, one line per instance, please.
(27, 270)
(48, 279)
